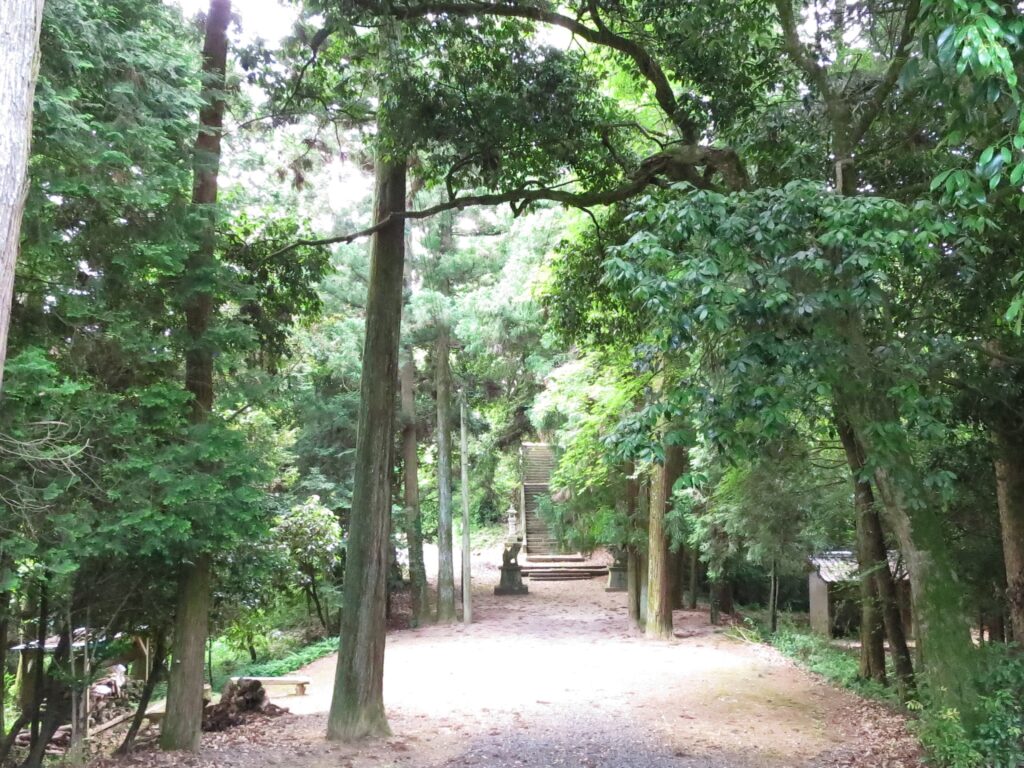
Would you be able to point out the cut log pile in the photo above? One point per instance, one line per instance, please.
(240, 700)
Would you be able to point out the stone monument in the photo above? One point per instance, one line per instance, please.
(511, 574)
(617, 571)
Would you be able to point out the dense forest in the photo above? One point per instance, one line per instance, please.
(752, 266)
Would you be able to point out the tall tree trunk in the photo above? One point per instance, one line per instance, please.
(632, 553)
(57, 694)
(659, 574)
(155, 673)
(39, 671)
(446, 560)
(679, 572)
(183, 718)
(872, 632)
(875, 558)
(1009, 465)
(467, 565)
(773, 599)
(872, 636)
(943, 630)
(934, 590)
(413, 521)
(20, 21)
(5, 624)
(694, 579)
(357, 707)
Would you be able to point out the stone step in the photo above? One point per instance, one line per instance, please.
(567, 572)
(569, 557)
(573, 576)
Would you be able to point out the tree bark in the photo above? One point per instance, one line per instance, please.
(183, 719)
(446, 560)
(182, 722)
(357, 707)
(679, 572)
(155, 673)
(39, 672)
(632, 553)
(659, 570)
(943, 630)
(467, 569)
(20, 22)
(872, 632)
(57, 694)
(694, 579)
(5, 623)
(413, 521)
(875, 558)
(773, 599)
(1009, 466)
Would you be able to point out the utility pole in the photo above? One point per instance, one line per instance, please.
(467, 596)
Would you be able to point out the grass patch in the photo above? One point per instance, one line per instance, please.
(288, 660)
(293, 661)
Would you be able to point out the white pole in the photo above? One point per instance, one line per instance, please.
(467, 596)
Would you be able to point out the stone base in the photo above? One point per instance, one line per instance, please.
(511, 581)
(616, 579)
(522, 589)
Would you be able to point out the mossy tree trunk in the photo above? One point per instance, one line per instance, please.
(943, 629)
(660, 574)
(184, 714)
(412, 519)
(446, 558)
(357, 706)
(691, 602)
(872, 646)
(1009, 466)
(874, 559)
(632, 552)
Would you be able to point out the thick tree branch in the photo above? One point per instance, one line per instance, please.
(677, 163)
(799, 53)
(603, 36)
(901, 54)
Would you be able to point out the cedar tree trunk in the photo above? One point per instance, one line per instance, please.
(1009, 465)
(446, 561)
(413, 521)
(357, 707)
(183, 718)
(632, 553)
(20, 21)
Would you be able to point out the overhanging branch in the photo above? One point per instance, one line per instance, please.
(676, 163)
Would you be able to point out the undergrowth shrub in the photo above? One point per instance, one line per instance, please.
(996, 740)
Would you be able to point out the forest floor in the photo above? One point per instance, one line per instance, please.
(558, 677)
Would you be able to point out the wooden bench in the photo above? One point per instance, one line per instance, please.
(298, 682)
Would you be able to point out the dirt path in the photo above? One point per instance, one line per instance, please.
(558, 677)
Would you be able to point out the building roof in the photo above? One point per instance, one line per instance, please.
(840, 565)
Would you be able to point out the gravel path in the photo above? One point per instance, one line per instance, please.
(559, 678)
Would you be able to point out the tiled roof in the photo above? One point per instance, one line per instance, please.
(840, 565)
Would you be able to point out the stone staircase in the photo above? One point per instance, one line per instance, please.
(546, 560)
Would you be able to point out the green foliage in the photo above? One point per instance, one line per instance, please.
(999, 739)
(280, 666)
(292, 661)
(310, 535)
